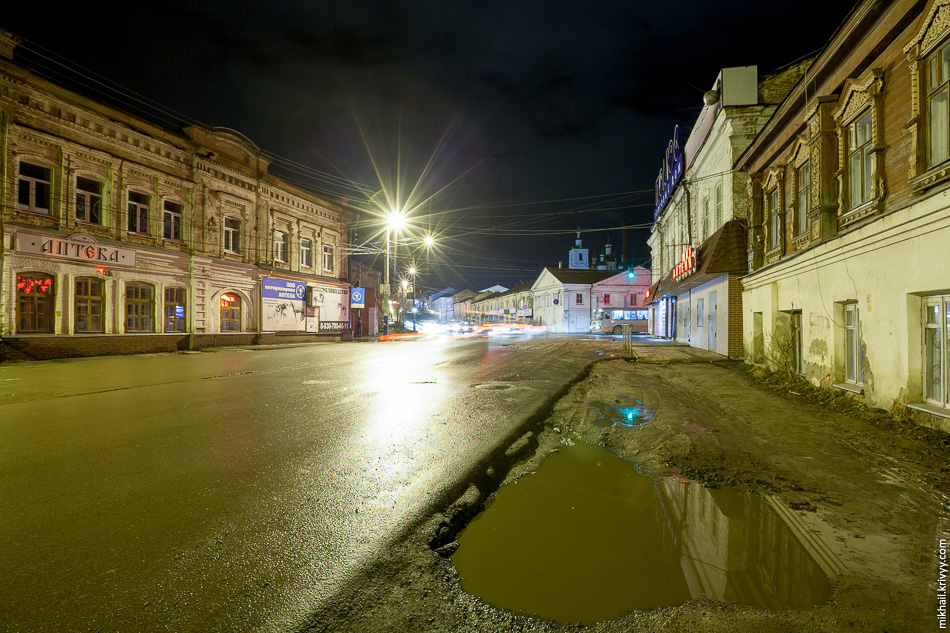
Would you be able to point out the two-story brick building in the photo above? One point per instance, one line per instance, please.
(121, 236)
(848, 188)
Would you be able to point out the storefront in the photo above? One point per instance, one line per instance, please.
(699, 301)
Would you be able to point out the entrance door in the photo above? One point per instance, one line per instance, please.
(712, 322)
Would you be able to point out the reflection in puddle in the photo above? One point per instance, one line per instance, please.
(586, 538)
(632, 415)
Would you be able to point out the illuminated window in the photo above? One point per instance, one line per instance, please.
(803, 175)
(578, 298)
(860, 163)
(88, 200)
(606, 300)
(34, 188)
(306, 253)
(34, 302)
(232, 236)
(938, 106)
(138, 213)
(936, 372)
(89, 299)
(174, 309)
(139, 307)
(171, 224)
(230, 313)
(327, 258)
(280, 246)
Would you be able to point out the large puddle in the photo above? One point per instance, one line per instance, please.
(588, 538)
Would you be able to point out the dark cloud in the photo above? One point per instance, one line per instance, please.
(492, 105)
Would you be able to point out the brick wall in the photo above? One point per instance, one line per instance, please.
(735, 318)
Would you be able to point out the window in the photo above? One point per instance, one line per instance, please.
(89, 300)
(328, 258)
(578, 298)
(936, 357)
(859, 160)
(804, 198)
(938, 102)
(35, 188)
(138, 213)
(139, 307)
(230, 313)
(174, 309)
(34, 302)
(306, 253)
(853, 358)
(172, 221)
(775, 219)
(606, 300)
(280, 246)
(707, 220)
(718, 206)
(88, 200)
(232, 236)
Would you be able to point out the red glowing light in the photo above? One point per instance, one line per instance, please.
(29, 285)
(101, 270)
(228, 300)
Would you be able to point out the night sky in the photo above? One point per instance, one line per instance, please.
(502, 126)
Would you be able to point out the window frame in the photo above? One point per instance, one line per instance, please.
(231, 236)
(173, 302)
(718, 206)
(773, 201)
(936, 72)
(863, 151)
(89, 300)
(940, 328)
(142, 318)
(32, 182)
(42, 303)
(89, 201)
(328, 256)
(280, 246)
(230, 314)
(172, 214)
(853, 353)
(137, 212)
(803, 198)
(306, 253)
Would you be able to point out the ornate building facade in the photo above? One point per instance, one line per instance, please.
(849, 192)
(120, 236)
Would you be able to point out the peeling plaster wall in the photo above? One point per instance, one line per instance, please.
(885, 267)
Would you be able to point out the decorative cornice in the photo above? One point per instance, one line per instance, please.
(858, 96)
(934, 28)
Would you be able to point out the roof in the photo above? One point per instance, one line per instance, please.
(579, 275)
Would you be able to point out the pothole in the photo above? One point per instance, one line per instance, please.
(588, 538)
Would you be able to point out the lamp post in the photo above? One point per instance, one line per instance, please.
(394, 222)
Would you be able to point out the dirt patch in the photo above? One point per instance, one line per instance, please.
(870, 485)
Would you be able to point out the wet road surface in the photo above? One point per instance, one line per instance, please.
(239, 489)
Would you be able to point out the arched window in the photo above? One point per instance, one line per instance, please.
(230, 313)
(139, 307)
(174, 309)
(35, 293)
(90, 293)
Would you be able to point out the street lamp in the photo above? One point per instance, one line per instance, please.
(394, 221)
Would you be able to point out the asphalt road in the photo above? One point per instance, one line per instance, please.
(238, 490)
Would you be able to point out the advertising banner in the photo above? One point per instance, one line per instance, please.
(282, 303)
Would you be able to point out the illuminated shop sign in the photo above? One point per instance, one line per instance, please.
(687, 264)
(33, 285)
(78, 246)
(670, 172)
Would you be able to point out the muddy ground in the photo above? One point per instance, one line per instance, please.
(873, 488)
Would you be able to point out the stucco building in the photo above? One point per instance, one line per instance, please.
(849, 194)
(121, 236)
(698, 237)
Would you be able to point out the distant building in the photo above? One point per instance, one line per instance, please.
(578, 258)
